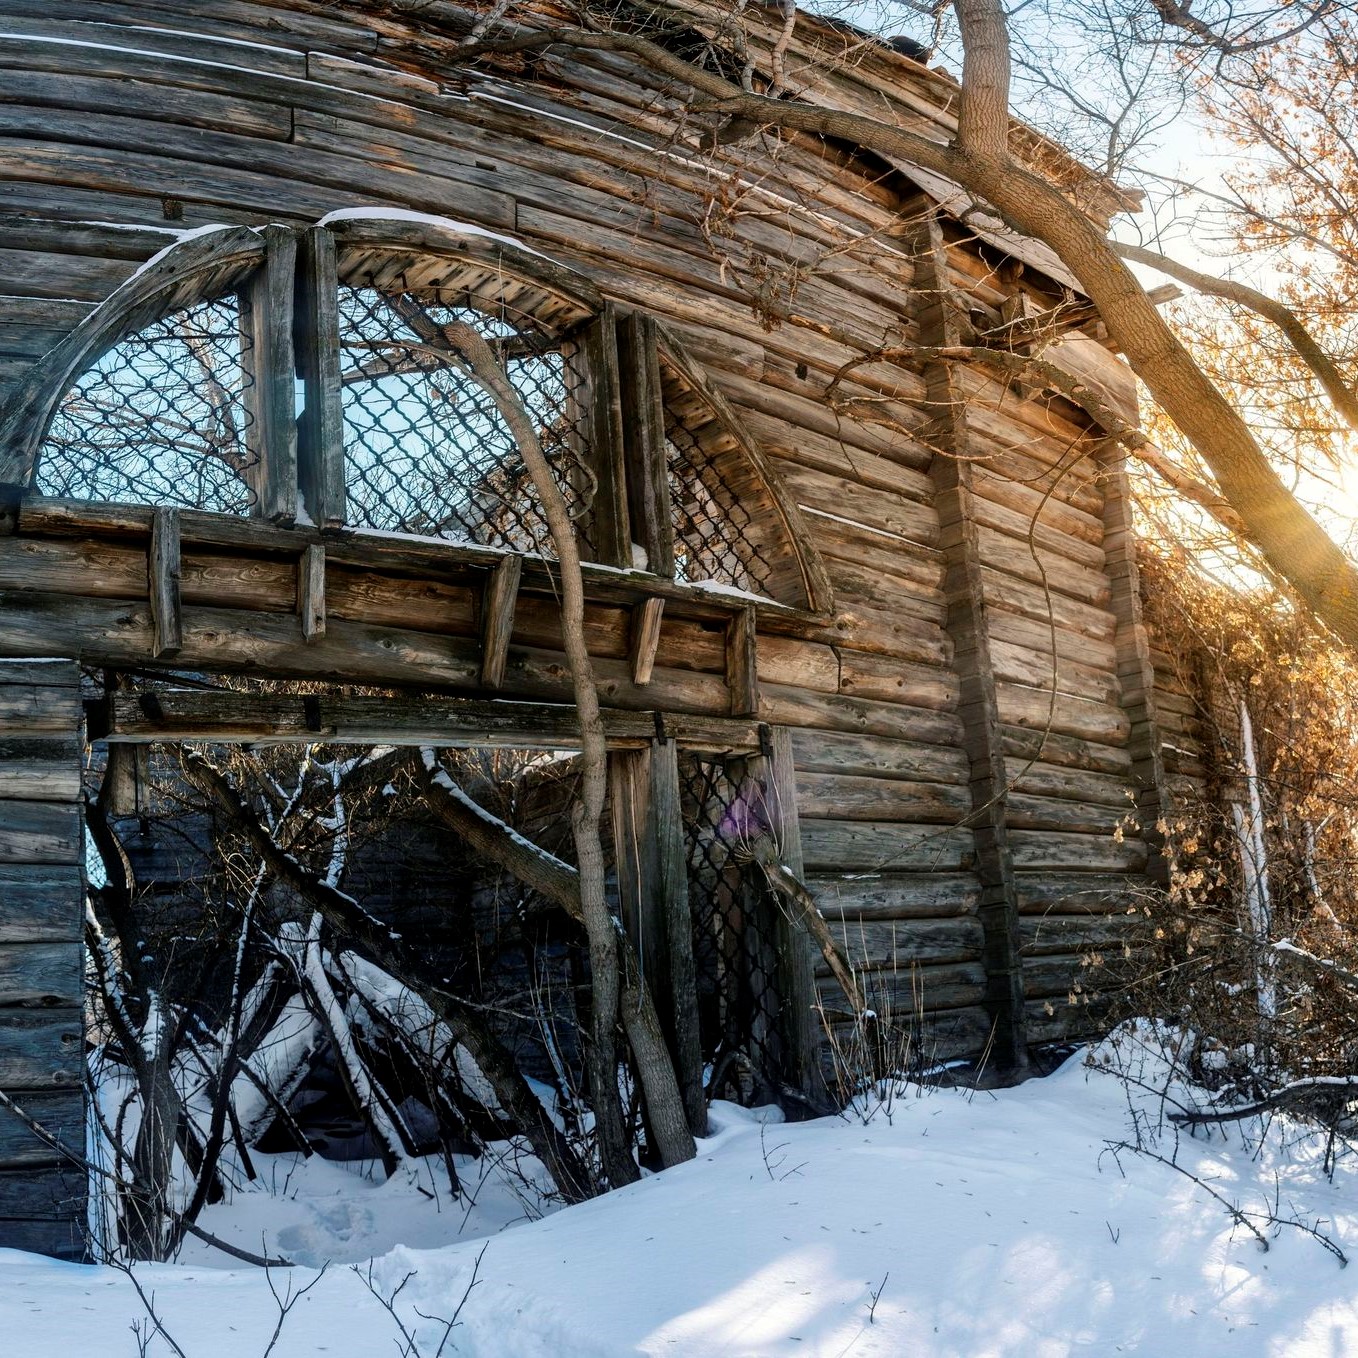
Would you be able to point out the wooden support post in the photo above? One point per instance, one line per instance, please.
(42, 895)
(773, 767)
(652, 872)
(497, 619)
(320, 425)
(1136, 672)
(645, 638)
(311, 592)
(608, 525)
(643, 437)
(270, 398)
(742, 659)
(128, 775)
(163, 574)
(968, 625)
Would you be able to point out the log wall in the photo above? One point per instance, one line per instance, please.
(42, 910)
(965, 817)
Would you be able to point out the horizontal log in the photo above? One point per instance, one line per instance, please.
(892, 680)
(27, 709)
(1042, 849)
(1085, 974)
(1067, 716)
(839, 712)
(1064, 751)
(1079, 785)
(1080, 892)
(41, 1048)
(57, 1237)
(42, 974)
(40, 832)
(41, 903)
(922, 1043)
(194, 714)
(41, 1194)
(900, 996)
(45, 674)
(837, 796)
(877, 756)
(886, 944)
(60, 1112)
(863, 846)
(1036, 669)
(1026, 812)
(893, 895)
(40, 768)
(1041, 935)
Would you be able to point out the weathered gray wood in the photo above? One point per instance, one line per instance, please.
(643, 433)
(742, 663)
(311, 601)
(266, 324)
(127, 780)
(59, 1237)
(163, 569)
(497, 619)
(257, 718)
(41, 973)
(835, 796)
(894, 895)
(670, 866)
(61, 1112)
(30, 708)
(41, 904)
(41, 1048)
(609, 527)
(860, 846)
(644, 639)
(320, 426)
(40, 832)
(40, 768)
(879, 944)
(40, 1194)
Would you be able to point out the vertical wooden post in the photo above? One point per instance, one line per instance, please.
(742, 662)
(609, 527)
(1136, 672)
(796, 958)
(644, 638)
(320, 424)
(42, 895)
(311, 592)
(163, 579)
(968, 626)
(643, 441)
(271, 396)
(498, 601)
(648, 837)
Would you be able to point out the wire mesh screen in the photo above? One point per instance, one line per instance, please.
(161, 419)
(712, 528)
(733, 933)
(426, 449)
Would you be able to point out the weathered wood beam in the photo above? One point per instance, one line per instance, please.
(498, 601)
(260, 718)
(643, 430)
(644, 639)
(311, 592)
(320, 426)
(163, 577)
(968, 624)
(266, 327)
(607, 523)
(742, 661)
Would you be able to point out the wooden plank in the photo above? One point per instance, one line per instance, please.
(1080, 934)
(1068, 893)
(37, 708)
(498, 602)
(42, 973)
(899, 996)
(311, 603)
(836, 796)
(164, 573)
(40, 832)
(742, 663)
(44, 674)
(877, 756)
(57, 1237)
(41, 1048)
(894, 895)
(1048, 849)
(644, 638)
(167, 715)
(883, 944)
(41, 904)
(609, 531)
(892, 680)
(61, 1112)
(671, 898)
(320, 426)
(266, 302)
(40, 768)
(40, 1194)
(643, 433)
(857, 846)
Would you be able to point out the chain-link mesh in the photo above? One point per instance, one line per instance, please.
(712, 537)
(426, 449)
(160, 419)
(733, 931)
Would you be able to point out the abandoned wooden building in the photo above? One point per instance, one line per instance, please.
(901, 593)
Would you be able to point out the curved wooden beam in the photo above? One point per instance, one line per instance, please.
(202, 266)
(815, 578)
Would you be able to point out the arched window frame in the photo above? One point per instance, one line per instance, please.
(288, 285)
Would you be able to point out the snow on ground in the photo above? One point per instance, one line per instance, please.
(985, 1224)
